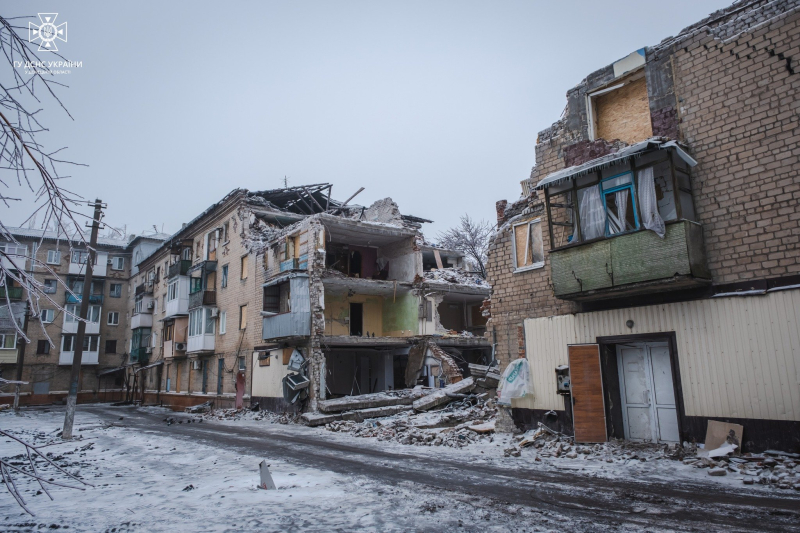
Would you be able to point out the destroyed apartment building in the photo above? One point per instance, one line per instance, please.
(650, 273)
(356, 302)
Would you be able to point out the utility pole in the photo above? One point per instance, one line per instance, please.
(77, 354)
(21, 354)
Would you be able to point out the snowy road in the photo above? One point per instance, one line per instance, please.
(329, 482)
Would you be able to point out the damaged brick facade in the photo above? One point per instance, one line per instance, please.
(725, 87)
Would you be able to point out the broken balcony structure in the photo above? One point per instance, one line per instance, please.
(366, 301)
(624, 224)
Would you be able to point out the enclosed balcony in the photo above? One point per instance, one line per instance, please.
(621, 225)
(202, 329)
(177, 303)
(141, 355)
(13, 293)
(70, 324)
(144, 288)
(179, 268)
(90, 352)
(200, 298)
(287, 310)
(635, 263)
(141, 320)
(77, 264)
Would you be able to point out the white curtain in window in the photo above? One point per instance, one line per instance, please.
(648, 203)
(619, 223)
(593, 216)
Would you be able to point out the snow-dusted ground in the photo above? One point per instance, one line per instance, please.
(141, 483)
(147, 480)
(623, 461)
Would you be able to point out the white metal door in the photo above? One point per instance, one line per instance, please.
(647, 392)
(666, 413)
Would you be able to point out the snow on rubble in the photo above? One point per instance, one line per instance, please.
(455, 276)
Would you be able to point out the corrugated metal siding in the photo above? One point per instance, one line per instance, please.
(739, 356)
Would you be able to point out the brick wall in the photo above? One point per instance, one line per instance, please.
(739, 114)
(44, 367)
(735, 103)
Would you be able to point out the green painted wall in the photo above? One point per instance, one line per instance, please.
(401, 317)
(632, 258)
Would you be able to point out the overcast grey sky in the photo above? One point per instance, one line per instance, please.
(434, 103)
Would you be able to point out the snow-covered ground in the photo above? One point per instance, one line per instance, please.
(146, 480)
(617, 460)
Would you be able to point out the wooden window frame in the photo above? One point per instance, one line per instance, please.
(514, 227)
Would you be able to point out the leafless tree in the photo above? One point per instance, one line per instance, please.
(28, 168)
(470, 237)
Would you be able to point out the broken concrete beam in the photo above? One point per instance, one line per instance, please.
(482, 429)
(478, 371)
(487, 382)
(440, 396)
(491, 381)
(368, 401)
(375, 412)
(319, 419)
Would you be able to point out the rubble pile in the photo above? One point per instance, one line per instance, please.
(242, 414)
(456, 425)
(778, 469)
(548, 443)
(454, 275)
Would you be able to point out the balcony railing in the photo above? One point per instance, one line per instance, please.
(144, 288)
(141, 355)
(632, 264)
(201, 298)
(180, 268)
(14, 293)
(93, 298)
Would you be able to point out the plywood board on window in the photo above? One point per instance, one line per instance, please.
(624, 113)
(287, 354)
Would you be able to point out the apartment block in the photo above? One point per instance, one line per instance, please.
(650, 270)
(58, 262)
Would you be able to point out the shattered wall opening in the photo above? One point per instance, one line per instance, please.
(356, 371)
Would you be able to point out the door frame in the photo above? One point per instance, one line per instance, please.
(672, 342)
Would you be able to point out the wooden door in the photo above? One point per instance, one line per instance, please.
(586, 389)
(239, 390)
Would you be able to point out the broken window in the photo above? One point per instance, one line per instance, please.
(277, 298)
(619, 203)
(528, 245)
(625, 200)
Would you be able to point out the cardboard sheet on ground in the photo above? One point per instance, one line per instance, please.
(718, 432)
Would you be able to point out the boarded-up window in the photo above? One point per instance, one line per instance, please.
(243, 317)
(245, 264)
(528, 247)
(623, 113)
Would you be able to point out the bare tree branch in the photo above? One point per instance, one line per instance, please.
(471, 238)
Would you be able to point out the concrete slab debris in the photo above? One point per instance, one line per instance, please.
(375, 412)
(367, 401)
(440, 396)
(482, 429)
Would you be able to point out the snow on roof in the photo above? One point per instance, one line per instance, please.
(61, 236)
